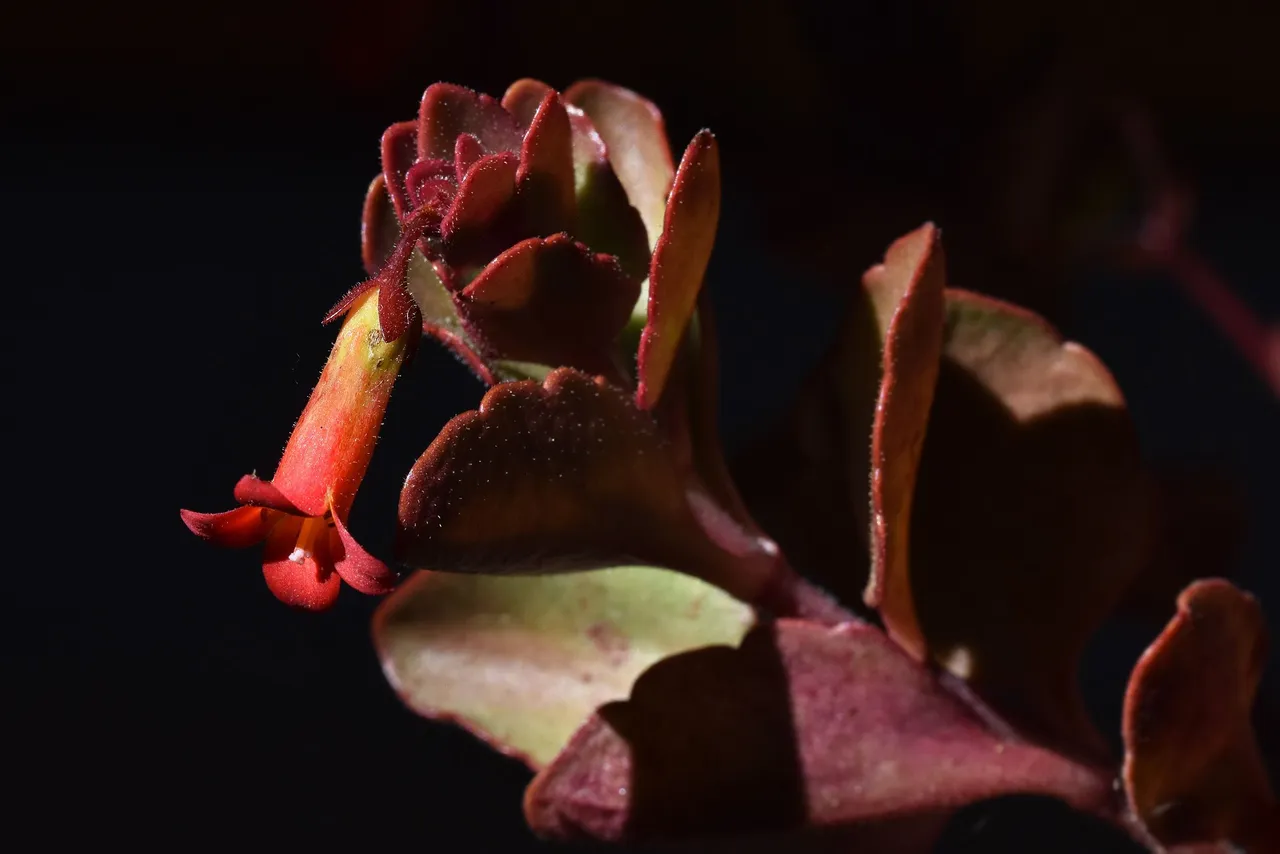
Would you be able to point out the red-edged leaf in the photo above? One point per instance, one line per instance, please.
(1028, 521)
(632, 130)
(545, 177)
(299, 577)
(1192, 768)
(448, 111)
(906, 295)
(461, 347)
(431, 182)
(379, 228)
(523, 662)
(523, 98)
(466, 151)
(802, 725)
(679, 263)
(471, 229)
(233, 529)
(399, 153)
(558, 476)
(552, 302)
(606, 220)
(807, 480)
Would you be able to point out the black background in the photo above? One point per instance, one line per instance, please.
(182, 193)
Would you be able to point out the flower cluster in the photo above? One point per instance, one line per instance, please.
(648, 649)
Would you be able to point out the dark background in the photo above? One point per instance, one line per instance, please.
(182, 191)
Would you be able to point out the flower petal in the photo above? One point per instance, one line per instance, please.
(1192, 768)
(558, 476)
(906, 295)
(299, 577)
(448, 111)
(234, 529)
(801, 725)
(379, 228)
(399, 153)
(253, 490)
(552, 302)
(356, 566)
(633, 132)
(679, 263)
(545, 179)
(1029, 517)
(523, 662)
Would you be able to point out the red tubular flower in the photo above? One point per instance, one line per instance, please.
(301, 512)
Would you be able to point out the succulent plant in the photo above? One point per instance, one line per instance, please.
(592, 595)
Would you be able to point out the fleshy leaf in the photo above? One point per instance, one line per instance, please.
(398, 156)
(633, 133)
(448, 111)
(679, 262)
(802, 725)
(550, 301)
(1028, 521)
(555, 477)
(906, 295)
(545, 177)
(466, 151)
(469, 228)
(1192, 768)
(523, 98)
(606, 221)
(379, 228)
(524, 661)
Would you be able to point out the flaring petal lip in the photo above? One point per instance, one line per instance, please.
(233, 529)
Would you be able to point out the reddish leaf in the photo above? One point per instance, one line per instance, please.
(1192, 768)
(448, 111)
(807, 480)
(1028, 520)
(523, 662)
(906, 295)
(432, 182)
(474, 228)
(523, 98)
(399, 153)
(636, 139)
(679, 263)
(802, 725)
(556, 477)
(545, 177)
(605, 220)
(552, 302)
(466, 151)
(379, 228)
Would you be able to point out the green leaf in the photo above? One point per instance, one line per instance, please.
(522, 662)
